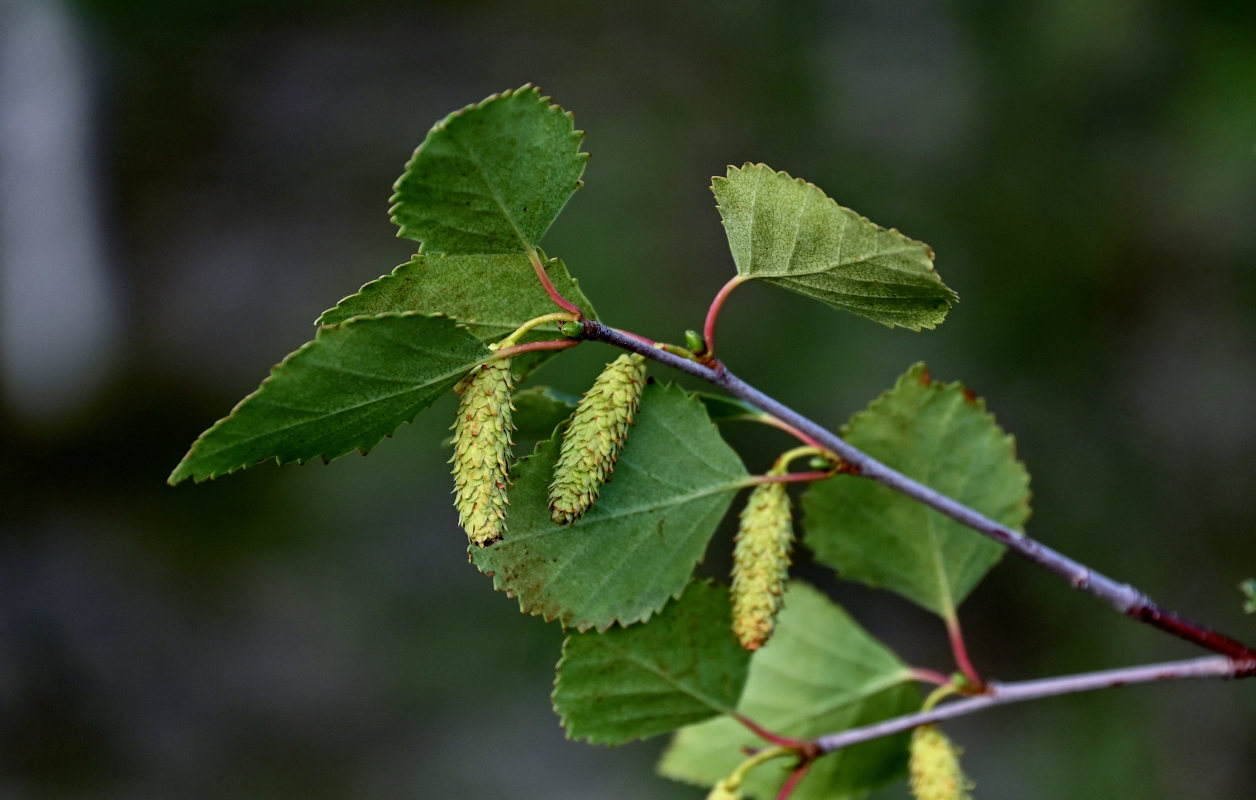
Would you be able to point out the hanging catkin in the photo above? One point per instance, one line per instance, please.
(934, 766)
(765, 537)
(595, 436)
(482, 454)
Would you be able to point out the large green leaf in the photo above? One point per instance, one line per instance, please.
(941, 435)
(491, 177)
(491, 295)
(637, 547)
(788, 232)
(350, 387)
(820, 673)
(632, 683)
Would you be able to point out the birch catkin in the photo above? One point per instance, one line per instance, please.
(595, 436)
(482, 454)
(934, 765)
(765, 537)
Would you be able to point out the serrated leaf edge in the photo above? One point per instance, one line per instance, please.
(395, 200)
(172, 480)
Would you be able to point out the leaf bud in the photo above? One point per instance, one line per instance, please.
(571, 328)
(695, 342)
(595, 436)
(482, 452)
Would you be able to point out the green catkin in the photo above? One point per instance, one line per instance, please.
(595, 436)
(934, 766)
(765, 537)
(482, 453)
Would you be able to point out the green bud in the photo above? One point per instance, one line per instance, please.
(595, 436)
(820, 463)
(695, 342)
(571, 328)
(482, 453)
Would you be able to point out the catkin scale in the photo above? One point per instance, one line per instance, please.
(934, 767)
(595, 436)
(765, 537)
(482, 452)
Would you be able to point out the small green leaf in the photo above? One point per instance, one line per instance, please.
(941, 435)
(490, 178)
(350, 387)
(491, 295)
(788, 232)
(632, 683)
(541, 409)
(1248, 588)
(821, 673)
(637, 547)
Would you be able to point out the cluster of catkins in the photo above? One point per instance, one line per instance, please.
(591, 444)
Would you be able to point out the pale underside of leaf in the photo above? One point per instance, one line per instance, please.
(788, 232)
(637, 547)
(631, 683)
(490, 178)
(350, 387)
(820, 673)
(939, 434)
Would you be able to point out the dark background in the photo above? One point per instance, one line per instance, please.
(185, 186)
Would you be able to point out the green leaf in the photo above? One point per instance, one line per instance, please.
(541, 409)
(491, 177)
(820, 673)
(350, 387)
(632, 683)
(638, 545)
(788, 232)
(491, 295)
(941, 435)
(722, 408)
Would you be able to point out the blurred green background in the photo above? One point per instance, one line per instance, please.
(184, 186)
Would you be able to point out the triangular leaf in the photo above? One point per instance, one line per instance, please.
(941, 435)
(632, 683)
(637, 547)
(788, 232)
(491, 177)
(491, 295)
(350, 387)
(820, 673)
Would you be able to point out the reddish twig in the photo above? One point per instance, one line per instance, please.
(767, 735)
(795, 778)
(548, 285)
(708, 328)
(961, 651)
(1122, 597)
(528, 347)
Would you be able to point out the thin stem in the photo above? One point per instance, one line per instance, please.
(548, 285)
(788, 477)
(795, 778)
(767, 735)
(708, 328)
(930, 676)
(768, 419)
(962, 661)
(551, 344)
(998, 694)
(533, 323)
(636, 336)
(1122, 597)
